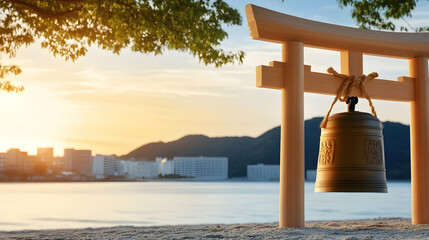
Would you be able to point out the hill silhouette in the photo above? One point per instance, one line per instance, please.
(243, 151)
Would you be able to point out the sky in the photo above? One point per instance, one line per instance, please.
(113, 104)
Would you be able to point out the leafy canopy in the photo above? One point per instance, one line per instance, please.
(381, 14)
(68, 27)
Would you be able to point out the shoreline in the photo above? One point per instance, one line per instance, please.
(379, 228)
(161, 180)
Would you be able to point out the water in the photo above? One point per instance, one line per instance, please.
(80, 205)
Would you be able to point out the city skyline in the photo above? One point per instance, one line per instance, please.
(114, 104)
(83, 165)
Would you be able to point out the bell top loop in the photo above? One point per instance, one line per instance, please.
(351, 102)
(349, 82)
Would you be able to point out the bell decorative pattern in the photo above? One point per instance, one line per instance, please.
(326, 151)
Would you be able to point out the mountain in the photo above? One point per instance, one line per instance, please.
(243, 151)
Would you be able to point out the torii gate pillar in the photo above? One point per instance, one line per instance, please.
(294, 78)
(292, 173)
(419, 127)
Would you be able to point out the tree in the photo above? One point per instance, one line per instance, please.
(68, 27)
(380, 14)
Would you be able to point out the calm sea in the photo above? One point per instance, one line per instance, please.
(81, 205)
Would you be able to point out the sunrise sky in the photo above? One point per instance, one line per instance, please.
(113, 104)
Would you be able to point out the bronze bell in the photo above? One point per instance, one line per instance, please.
(351, 155)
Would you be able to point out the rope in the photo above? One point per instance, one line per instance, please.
(349, 82)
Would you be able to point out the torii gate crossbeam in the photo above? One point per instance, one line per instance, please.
(293, 78)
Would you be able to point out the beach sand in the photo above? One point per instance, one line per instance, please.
(381, 228)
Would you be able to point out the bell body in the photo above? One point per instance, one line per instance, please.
(351, 155)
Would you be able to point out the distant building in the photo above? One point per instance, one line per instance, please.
(46, 155)
(82, 161)
(210, 168)
(98, 165)
(142, 169)
(58, 163)
(68, 159)
(261, 172)
(2, 158)
(103, 165)
(16, 161)
(121, 168)
(78, 161)
(31, 161)
(149, 169)
(131, 169)
(165, 166)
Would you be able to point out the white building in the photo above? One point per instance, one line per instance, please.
(261, 172)
(131, 169)
(103, 165)
(98, 166)
(165, 166)
(209, 168)
(149, 169)
(142, 169)
(121, 168)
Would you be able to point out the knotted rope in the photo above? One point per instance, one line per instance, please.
(349, 82)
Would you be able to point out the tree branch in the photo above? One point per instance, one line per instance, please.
(47, 14)
(409, 25)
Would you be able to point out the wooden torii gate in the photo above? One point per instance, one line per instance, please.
(294, 78)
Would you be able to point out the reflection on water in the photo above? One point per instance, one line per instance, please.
(79, 205)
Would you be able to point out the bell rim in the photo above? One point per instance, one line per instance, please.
(352, 191)
(351, 186)
(348, 189)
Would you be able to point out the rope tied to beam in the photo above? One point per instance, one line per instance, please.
(349, 82)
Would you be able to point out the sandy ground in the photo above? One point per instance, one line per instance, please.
(382, 228)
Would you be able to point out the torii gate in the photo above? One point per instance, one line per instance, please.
(294, 78)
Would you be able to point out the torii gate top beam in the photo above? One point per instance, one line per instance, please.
(277, 27)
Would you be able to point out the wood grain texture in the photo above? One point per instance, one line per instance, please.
(419, 133)
(277, 27)
(292, 175)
